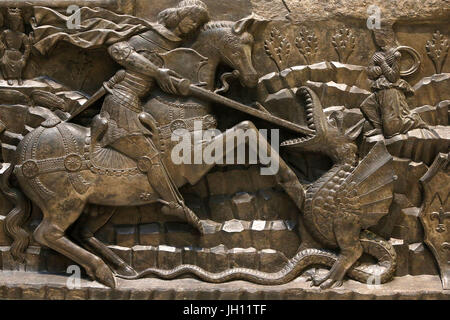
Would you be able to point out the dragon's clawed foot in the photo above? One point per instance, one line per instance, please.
(324, 282)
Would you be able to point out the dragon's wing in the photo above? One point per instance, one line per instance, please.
(369, 189)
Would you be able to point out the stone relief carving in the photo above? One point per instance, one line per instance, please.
(14, 47)
(437, 50)
(361, 152)
(344, 44)
(307, 44)
(278, 48)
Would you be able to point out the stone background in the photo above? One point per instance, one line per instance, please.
(141, 235)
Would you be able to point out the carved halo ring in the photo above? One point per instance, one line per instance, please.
(416, 57)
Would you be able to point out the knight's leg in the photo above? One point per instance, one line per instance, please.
(51, 233)
(347, 231)
(85, 230)
(142, 149)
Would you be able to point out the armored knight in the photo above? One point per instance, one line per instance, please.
(14, 48)
(386, 108)
(122, 118)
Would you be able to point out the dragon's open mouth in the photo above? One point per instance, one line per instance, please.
(307, 99)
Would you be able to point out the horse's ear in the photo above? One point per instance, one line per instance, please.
(249, 24)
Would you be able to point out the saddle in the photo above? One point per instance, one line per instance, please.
(106, 160)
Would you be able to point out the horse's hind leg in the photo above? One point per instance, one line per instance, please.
(51, 233)
(95, 218)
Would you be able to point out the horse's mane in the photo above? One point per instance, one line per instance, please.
(215, 25)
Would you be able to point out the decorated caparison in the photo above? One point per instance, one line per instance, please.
(196, 149)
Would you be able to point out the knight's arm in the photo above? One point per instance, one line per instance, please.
(124, 54)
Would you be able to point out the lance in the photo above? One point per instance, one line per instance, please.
(186, 88)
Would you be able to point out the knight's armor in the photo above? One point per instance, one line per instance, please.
(126, 89)
(123, 105)
(123, 111)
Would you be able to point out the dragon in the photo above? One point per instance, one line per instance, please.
(338, 209)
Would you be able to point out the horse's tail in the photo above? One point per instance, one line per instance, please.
(17, 216)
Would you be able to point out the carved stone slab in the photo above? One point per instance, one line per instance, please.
(435, 215)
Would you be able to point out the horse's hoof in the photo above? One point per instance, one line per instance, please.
(105, 276)
(208, 226)
(127, 271)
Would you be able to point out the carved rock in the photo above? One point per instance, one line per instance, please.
(408, 226)
(435, 115)
(420, 260)
(418, 145)
(334, 168)
(432, 90)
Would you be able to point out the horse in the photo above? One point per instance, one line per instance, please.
(60, 167)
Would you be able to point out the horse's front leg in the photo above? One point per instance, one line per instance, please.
(277, 166)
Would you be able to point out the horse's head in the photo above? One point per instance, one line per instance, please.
(231, 43)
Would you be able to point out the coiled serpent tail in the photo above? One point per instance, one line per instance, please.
(372, 244)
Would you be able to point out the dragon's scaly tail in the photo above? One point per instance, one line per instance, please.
(295, 266)
(303, 260)
(381, 272)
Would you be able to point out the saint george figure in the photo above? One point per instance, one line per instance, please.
(386, 108)
(122, 114)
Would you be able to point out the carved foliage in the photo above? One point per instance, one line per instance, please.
(307, 44)
(278, 48)
(437, 50)
(344, 43)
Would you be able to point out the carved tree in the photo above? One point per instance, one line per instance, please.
(307, 44)
(344, 43)
(437, 49)
(278, 48)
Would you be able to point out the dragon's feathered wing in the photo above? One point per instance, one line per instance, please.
(369, 188)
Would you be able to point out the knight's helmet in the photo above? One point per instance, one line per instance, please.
(170, 17)
(15, 19)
